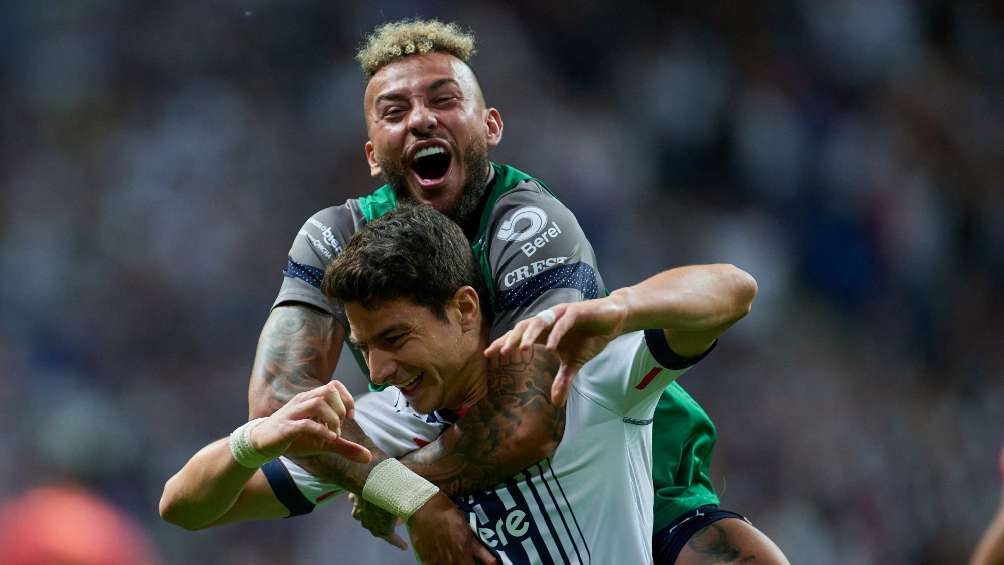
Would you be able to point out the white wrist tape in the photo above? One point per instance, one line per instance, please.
(397, 489)
(243, 450)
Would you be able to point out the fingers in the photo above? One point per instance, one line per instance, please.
(482, 555)
(534, 329)
(345, 397)
(312, 428)
(563, 383)
(397, 541)
(561, 327)
(349, 449)
(328, 404)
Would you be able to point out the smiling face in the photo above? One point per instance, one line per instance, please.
(429, 131)
(436, 363)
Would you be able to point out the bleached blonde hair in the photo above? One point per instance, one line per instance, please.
(394, 40)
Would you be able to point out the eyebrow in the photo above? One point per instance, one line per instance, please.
(441, 82)
(383, 333)
(390, 97)
(397, 95)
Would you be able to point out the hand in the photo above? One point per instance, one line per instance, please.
(379, 522)
(310, 423)
(440, 534)
(578, 333)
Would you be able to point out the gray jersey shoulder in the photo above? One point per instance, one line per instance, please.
(321, 238)
(538, 255)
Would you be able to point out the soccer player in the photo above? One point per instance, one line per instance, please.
(429, 132)
(408, 283)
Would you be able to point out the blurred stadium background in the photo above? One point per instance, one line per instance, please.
(157, 159)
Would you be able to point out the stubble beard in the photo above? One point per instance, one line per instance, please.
(465, 207)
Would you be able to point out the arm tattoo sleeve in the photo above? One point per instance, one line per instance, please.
(297, 351)
(514, 426)
(339, 470)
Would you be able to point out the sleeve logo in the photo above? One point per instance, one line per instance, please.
(515, 228)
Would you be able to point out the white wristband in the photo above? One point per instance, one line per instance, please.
(243, 450)
(397, 489)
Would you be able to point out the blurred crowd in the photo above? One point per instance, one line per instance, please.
(158, 158)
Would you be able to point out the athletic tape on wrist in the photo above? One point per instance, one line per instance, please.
(397, 489)
(243, 450)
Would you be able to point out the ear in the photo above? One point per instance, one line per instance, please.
(469, 306)
(493, 122)
(375, 170)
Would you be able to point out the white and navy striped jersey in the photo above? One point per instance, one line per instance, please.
(591, 502)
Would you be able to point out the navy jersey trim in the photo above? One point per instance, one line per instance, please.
(579, 276)
(669, 541)
(656, 341)
(306, 273)
(284, 488)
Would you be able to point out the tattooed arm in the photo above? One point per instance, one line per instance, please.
(297, 351)
(514, 426)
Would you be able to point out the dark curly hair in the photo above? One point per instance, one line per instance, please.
(413, 252)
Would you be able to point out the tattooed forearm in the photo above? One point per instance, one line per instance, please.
(297, 351)
(514, 426)
(339, 470)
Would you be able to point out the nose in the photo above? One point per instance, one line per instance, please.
(422, 119)
(382, 366)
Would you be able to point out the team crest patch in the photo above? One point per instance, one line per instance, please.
(523, 224)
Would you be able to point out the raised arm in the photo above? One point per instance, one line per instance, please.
(693, 306)
(297, 351)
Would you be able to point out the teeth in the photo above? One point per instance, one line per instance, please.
(425, 152)
(410, 383)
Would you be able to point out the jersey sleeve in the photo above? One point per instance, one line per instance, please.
(630, 374)
(319, 241)
(387, 421)
(538, 256)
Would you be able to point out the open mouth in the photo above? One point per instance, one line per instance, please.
(410, 387)
(430, 164)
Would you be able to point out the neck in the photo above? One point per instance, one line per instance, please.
(470, 220)
(474, 375)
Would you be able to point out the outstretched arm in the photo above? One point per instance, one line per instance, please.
(693, 305)
(214, 487)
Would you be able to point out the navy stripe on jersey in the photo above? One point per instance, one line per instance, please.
(656, 341)
(284, 488)
(306, 273)
(528, 480)
(579, 276)
(568, 538)
(527, 519)
(575, 520)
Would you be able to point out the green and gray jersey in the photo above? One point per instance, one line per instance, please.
(533, 255)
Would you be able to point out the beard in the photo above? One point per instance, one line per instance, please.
(465, 208)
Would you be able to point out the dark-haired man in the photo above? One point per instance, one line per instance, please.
(417, 318)
(429, 132)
